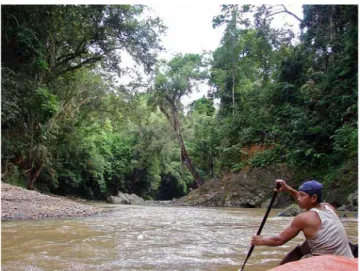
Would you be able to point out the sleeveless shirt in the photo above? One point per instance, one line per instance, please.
(331, 237)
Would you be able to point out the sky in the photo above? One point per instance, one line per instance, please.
(190, 26)
(190, 30)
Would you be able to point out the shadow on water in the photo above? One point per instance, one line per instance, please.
(148, 238)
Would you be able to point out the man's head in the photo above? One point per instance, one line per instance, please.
(312, 188)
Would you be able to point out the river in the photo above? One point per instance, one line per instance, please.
(148, 238)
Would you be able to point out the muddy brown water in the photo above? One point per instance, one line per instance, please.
(148, 238)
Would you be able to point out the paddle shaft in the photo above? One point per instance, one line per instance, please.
(261, 226)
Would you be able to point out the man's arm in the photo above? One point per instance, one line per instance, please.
(285, 187)
(289, 233)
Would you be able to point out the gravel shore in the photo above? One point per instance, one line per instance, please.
(18, 203)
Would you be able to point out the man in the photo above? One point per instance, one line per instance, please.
(321, 226)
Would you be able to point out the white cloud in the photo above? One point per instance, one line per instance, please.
(189, 27)
(190, 30)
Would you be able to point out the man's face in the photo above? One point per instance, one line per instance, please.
(304, 200)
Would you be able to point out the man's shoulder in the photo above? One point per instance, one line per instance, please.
(305, 219)
(306, 215)
(326, 204)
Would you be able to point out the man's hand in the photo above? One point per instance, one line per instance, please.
(283, 185)
(257, 240)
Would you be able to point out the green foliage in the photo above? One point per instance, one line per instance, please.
(203, 106)
(308, 107)
(201, 137)
(63, 38)
(14, 176)
(58, 118)
(265, 158)
(177, 78)
(345, 142)
(85, 136)
(45, 103)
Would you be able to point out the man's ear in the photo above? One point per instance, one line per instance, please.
(314, 198)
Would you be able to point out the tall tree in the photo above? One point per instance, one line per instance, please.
(179, 78)
(41, 45)
(63, 38)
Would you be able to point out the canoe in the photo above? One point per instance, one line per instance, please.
(303, 249)
(320, 263)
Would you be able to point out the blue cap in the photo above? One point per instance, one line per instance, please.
(311, 188)
(311, 185)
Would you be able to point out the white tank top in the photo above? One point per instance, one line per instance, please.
(331, 237)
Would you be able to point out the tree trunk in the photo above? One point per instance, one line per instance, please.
(331, 23)
(174, 120)
(233, 92)
(187, 161)
(211, 164)
(34, 177)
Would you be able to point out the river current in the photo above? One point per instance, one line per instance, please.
(149, 238)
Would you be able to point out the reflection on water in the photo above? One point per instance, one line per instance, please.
(148, 238)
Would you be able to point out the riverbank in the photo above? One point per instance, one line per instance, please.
(18, 203)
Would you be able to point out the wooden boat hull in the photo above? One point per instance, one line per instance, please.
(299, 251)
(320, 263)
(296, 254)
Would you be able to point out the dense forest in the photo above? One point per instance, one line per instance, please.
(69, 128)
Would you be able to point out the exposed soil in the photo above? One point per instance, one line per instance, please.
(18, 203)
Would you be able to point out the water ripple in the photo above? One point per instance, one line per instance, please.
(147, 238)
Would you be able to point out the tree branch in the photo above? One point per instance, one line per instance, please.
(88, 61)
(162, 109)
(284, 11)
(81, 48)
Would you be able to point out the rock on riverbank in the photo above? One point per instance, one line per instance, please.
(19, 203)
(246, 188)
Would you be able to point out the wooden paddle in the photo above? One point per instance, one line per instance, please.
(261, 225)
